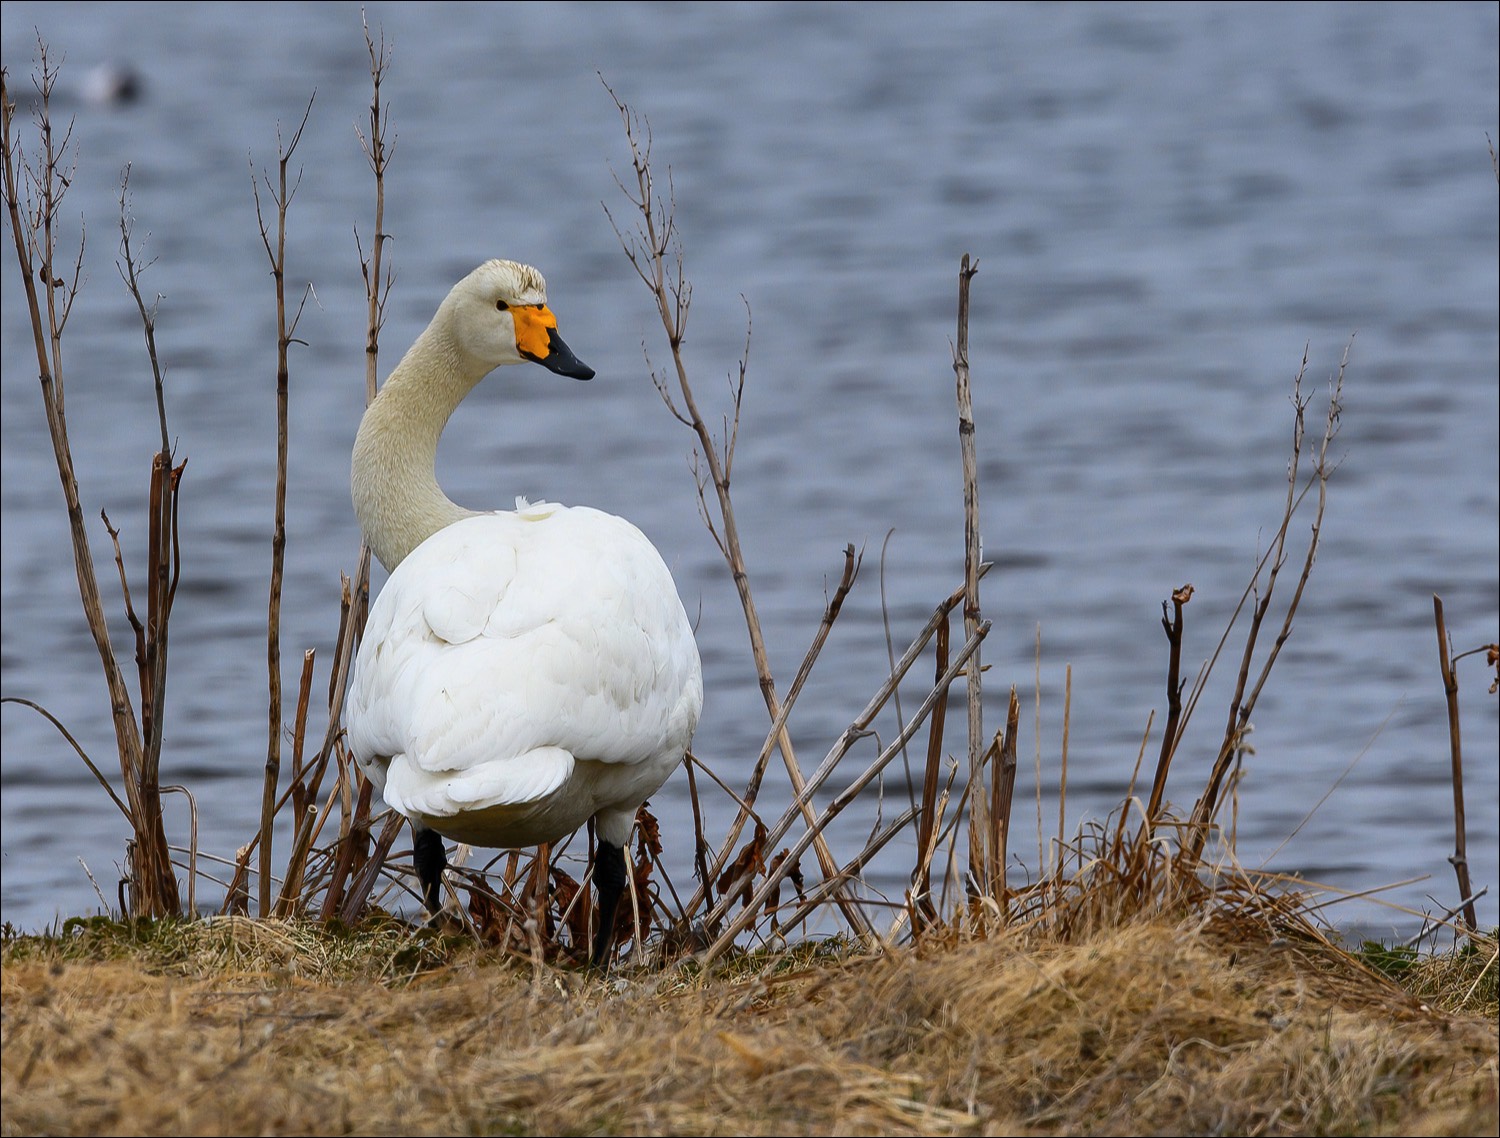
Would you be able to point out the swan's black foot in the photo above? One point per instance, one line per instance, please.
(431, 859)
(609, 880)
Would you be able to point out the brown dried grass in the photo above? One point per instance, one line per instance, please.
(1206, 1025)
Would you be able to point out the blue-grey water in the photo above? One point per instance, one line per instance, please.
(1169, 203)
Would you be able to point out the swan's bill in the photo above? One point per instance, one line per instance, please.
(537, 340)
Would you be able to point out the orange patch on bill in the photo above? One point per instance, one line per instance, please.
(532, 326)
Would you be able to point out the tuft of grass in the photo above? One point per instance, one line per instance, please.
(327, 951)
(1462, 980)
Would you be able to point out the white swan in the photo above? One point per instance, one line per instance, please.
(521, 671)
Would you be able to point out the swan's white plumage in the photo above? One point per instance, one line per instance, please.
(521, 671)
(509, 645)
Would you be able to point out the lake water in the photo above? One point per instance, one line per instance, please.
(1168, 204)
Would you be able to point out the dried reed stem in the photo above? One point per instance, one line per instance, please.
(818, 896)
(341, 898)
(304, 809)
(363, 874)
(924, 910)
(1460, 858)
(1062, 782)
(192, 863)
(860, 726)
(67, 735)
(287, 902)
(924, 913)
(1170, 733)
(1002, 795)
(978, 825)
(300, 792)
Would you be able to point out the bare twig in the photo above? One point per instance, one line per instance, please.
(1243, 703)
(773, 877)
(656, 255)
(154, 885)
(377, 287)
(354, 825)
(752, 788)
(163, 566)
(281, 196)
(1460, 858)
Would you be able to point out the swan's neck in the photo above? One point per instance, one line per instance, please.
(396, 494)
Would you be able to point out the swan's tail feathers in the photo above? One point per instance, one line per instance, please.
(525, 778)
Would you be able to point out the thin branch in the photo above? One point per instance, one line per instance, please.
(1243, 704)
(355, 820)
(840, 802)
(1460, 858)
(129, 274)
(163, 567)
(35, 245)
(281, 196)
(656, 255)
(752, 789)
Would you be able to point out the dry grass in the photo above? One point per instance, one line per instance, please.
(1198, 1027)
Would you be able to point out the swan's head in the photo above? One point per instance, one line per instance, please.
(498, 314)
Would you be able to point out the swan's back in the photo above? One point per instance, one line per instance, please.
(511, 653)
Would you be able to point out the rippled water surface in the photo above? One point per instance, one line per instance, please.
(1169, 205)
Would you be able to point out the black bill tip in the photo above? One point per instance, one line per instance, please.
(560, 358)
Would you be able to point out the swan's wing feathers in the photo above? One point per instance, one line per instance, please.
(461, 576)
(507, 640)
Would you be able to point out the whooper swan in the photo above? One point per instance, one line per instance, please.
(522, 671)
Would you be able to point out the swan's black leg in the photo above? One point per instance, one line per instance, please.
(609, 880)
(430, 858)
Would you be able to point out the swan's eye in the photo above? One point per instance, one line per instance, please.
(501, 306)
